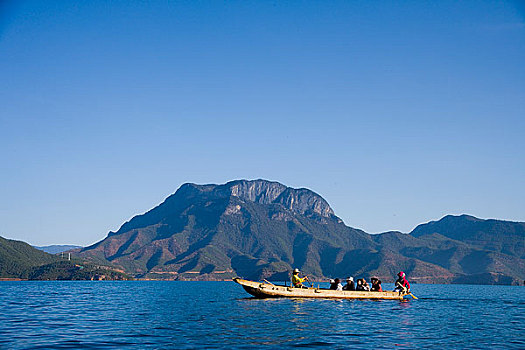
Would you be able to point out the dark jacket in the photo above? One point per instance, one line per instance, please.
(349, 286)
(376, 287)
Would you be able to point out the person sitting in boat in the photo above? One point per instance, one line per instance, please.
(402, 283)
(336, 284)
(376, 285)
(333, 286)
(297, 281)
(350, 285)
(359, 285)
(366, 287)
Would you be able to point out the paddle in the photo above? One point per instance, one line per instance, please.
(311, 284)
(401, 286)
(406, 291)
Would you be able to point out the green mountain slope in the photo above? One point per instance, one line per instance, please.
(16, 258)
(21, 261)
(492, 235)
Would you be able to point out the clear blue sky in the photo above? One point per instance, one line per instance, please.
(396, 112)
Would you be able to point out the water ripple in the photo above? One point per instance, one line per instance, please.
(188, 315)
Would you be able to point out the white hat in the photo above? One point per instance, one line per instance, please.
(350, 279)
(295, 270)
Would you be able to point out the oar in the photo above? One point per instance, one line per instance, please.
(409, 293)
(405, 290)
(311, 284)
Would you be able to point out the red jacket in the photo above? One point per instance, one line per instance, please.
(403, 281)
(376, 288)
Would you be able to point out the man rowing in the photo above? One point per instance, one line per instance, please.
(402, 283)
(297, 281)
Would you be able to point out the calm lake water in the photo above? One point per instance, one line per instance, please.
(178, 315)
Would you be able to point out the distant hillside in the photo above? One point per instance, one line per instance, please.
(505, 237)
(475, 250)
(261, 229)
(463, 258)
(21, 261)
(75, 271)
(16, 258)
(55, 249)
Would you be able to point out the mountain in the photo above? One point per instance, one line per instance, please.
(262, 229)
(252, 228)
(492, 235)
(17, 258)
(56, 249)
(473, 249)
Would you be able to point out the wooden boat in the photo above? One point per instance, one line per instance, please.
(268, 290)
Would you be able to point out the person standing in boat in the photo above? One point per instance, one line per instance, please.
(350, 285)
(297, 281)
(402, 283)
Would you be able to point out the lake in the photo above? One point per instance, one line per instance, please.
(179, 315)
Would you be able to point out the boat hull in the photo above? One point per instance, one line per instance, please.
(267, 290)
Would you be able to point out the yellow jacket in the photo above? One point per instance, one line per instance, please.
(297, 281)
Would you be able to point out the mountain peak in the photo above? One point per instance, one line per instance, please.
(301, 200)
(464, 217)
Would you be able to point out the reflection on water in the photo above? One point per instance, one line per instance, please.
(150, 315)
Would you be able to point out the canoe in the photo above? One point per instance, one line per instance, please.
(268, 290)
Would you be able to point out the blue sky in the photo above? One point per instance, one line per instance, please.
(396, 112)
